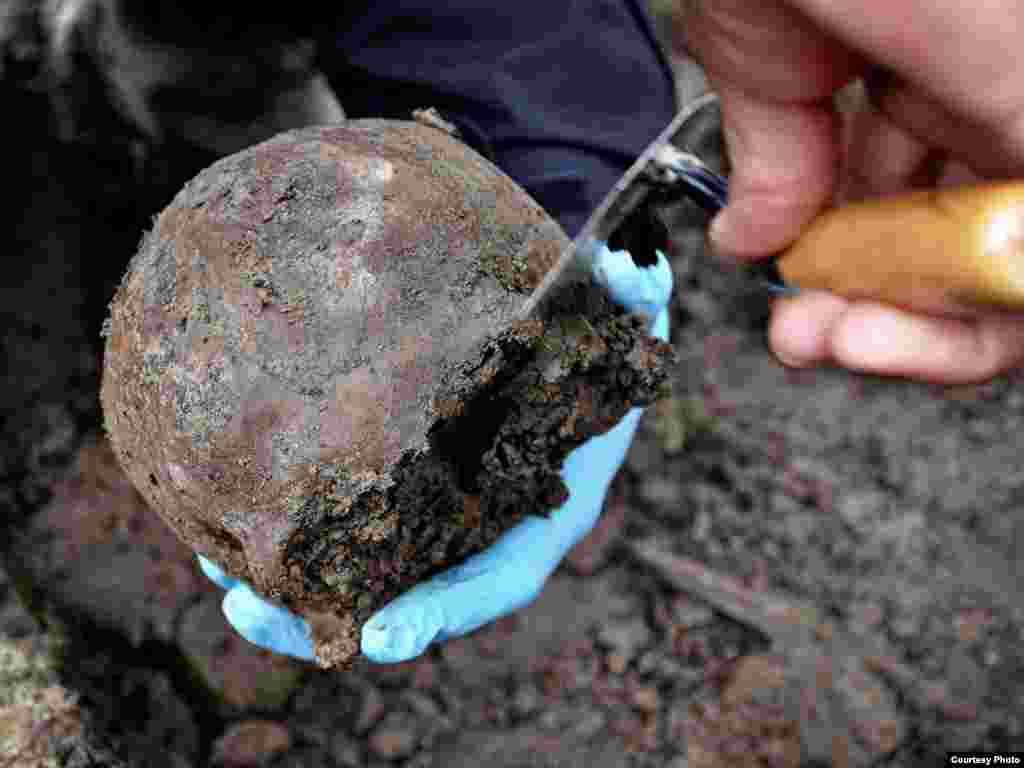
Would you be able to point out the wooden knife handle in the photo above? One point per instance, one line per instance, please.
(950, 250)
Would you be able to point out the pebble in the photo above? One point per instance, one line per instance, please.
(905, 628)
(372, 709)
(394, 738)
(251, 743)
(421, 704)
(660, 491)
(241, 675)
(645, 455)
(590, 724)
(617, 663)
(345, 750)
(527, 700)
(647, 699)
(625, 637)
(690, 613)
(861, 508)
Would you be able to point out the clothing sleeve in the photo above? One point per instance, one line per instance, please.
(562, 96)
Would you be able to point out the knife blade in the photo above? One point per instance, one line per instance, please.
(633, 189)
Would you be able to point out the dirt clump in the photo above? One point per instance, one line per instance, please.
(315, 375)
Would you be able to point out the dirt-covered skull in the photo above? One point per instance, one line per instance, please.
(313, 373)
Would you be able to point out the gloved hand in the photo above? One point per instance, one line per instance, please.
(511, 572)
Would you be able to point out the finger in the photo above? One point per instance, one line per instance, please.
(800, 327)
(266, 625)
(451, 604)
(881, 158)
(637, 289)
(915, 38)
(785, 159)
(775, 71)
(213, 572)
(511, 572)
(769, 48)
(659, 329)
(930, 122)
(875, 338)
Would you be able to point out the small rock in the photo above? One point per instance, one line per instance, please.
(626, 638)
(690, 613)
(526, 701)
(905, 628)
(660, 491)
(251, 743)
(551, 720)
(647, 699)
(394, 738)
(617, 663)
(243, 675)
(590, 724)
(421, 704)
(645, 454)
(345, 750)
(425, 674)
(372, 709)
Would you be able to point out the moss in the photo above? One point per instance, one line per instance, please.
(535, 394)
(21, 673)
(201, 312)
(576, 325)
(34, 708)
(255, 278)
(543, 344)
(450, 172)
(341, 473)
(499, 256)
(294, 505)
(365, 601)
(680, 421)
(200, 423)
(295, 304)
(519, 263)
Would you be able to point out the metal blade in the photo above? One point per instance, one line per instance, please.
(643, 177)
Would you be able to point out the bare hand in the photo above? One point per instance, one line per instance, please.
(953, 91)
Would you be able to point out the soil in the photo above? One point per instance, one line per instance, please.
(813, 564)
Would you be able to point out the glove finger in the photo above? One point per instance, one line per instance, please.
(508, 574)
(485, 587)
(659, 328)
(266, 625)
(636, 289)
(213, 572)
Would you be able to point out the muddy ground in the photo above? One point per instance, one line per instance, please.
(817, 566)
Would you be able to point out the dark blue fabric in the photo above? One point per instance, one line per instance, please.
(560, 94)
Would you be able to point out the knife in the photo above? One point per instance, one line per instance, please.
(949, 250)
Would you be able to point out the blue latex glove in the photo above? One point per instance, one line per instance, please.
(511, 572)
